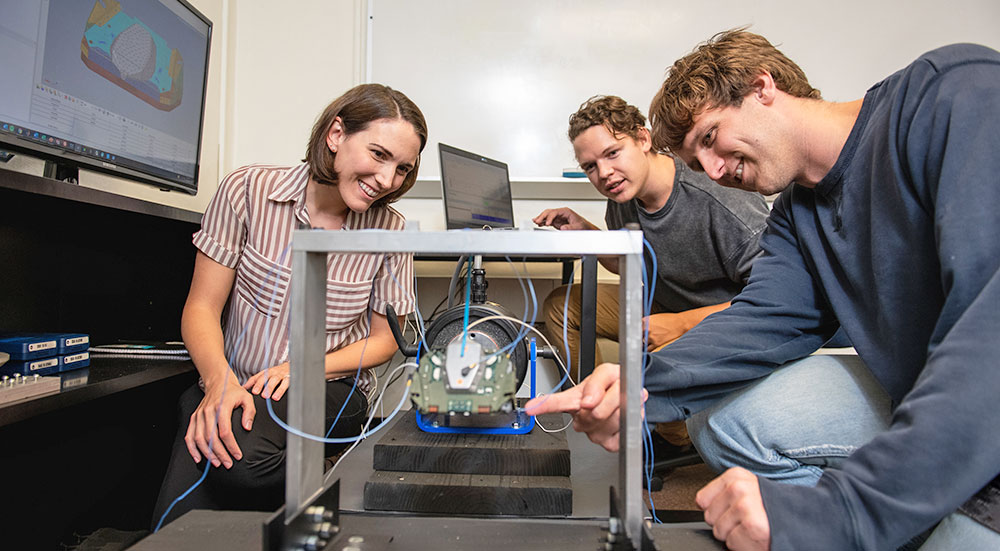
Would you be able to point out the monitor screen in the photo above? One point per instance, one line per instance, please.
(476, 190)
(114, 86)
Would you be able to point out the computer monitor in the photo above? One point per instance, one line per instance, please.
(113, 86)
(476, 190)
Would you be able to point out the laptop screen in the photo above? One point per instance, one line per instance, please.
(476, 190)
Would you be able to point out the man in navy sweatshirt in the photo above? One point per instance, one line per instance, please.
(886, 226)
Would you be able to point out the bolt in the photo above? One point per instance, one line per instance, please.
(318, 513)
(613, 525)
(328, 529)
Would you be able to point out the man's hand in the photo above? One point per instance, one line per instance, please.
(735, 511)
(563, 218)
(594, 404)
(664, 329)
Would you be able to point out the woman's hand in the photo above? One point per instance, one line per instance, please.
(210, 430)
(270, 383)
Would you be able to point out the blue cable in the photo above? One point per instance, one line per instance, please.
(648, 441)
(354, 386)
(565, 334)
(357, 374)
(236, 346)
(204, 474)
(522, 329)
(566, 365)
(468, 300)
(348, 439)
(649, 290)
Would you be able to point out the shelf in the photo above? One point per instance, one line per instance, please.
(104, 377)
(38, 185)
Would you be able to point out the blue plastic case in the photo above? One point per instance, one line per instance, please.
(74, 361)
(29, 347)
(27, 368)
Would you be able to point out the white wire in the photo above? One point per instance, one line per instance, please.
(329, 474)
(529, 326)
(558, 360)
(566, 426)
(297, 432)
(374, 386)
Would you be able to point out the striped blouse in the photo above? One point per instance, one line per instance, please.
(248, 226)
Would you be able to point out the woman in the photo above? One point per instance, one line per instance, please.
(363, 154)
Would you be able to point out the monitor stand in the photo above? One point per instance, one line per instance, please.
(61, 172)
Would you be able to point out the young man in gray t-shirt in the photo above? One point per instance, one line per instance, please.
(705, 236)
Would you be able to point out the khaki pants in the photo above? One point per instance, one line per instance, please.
(606, 326)
(607, 321)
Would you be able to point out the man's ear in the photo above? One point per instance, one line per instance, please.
(644, 140)
(336, 134)
(764, 88)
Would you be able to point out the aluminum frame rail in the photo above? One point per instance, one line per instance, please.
(308, 336)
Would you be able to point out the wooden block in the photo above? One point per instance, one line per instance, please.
(469, 494)
(406, 448)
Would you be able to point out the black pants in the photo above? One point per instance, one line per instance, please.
(256, 482)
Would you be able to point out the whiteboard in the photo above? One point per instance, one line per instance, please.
(501, 77)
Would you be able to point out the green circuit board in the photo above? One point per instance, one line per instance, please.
(483, 384)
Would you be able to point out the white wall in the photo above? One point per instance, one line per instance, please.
(287, 63)
(500, 78)
(274, 67)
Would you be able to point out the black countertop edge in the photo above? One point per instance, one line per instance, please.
(106, 377)
(29, 183)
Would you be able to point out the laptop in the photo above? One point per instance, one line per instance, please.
(476, 190)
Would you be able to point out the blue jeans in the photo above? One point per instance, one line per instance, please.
(808, 415)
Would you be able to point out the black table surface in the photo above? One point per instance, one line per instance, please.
(242, 530)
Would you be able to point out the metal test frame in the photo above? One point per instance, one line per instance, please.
(308, 336)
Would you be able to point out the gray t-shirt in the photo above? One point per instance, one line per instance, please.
(705, 238)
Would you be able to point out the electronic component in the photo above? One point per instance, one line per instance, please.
(477, 380)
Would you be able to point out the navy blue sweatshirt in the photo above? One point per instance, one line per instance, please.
(900, 245)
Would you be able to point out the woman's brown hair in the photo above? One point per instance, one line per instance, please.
(357, 108)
